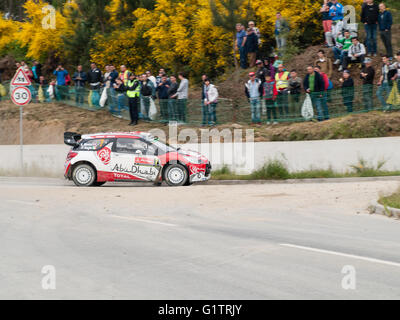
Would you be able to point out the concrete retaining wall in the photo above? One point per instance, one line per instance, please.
(339, 155)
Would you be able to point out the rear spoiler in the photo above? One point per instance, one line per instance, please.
(72, 138)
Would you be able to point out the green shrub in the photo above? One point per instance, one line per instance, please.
(392, 201)
(272, 170)
(365, 169)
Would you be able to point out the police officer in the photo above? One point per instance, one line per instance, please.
(133, 93)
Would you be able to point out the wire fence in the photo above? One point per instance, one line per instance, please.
(286, 108)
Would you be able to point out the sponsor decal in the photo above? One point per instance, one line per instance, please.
(144, 172)
(104, 155)
(144, 161)
(194, 169)
(123, 176)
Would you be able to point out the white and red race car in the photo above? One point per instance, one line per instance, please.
(135, 156)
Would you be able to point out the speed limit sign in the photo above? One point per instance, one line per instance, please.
(21, 96)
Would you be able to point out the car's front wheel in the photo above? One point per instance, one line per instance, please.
(84, 175)
(176, 175)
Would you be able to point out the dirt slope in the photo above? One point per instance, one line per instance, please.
(46, 123)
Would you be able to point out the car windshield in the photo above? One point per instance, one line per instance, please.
(163, 146)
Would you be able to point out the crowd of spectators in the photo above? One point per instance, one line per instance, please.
(120, 91)
(272, 90)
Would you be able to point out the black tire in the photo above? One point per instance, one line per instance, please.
(84, 175)
(98, 184)
(176, 175)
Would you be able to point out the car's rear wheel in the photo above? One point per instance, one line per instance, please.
(84, 175)
(176, 175)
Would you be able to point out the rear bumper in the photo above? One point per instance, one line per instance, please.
(67, 169)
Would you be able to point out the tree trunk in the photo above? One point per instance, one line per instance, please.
(234, 52)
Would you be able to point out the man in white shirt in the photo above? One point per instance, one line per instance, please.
(151, 78)
(183, 94)
(356, 53)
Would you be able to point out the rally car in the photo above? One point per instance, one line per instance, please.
(135, 156)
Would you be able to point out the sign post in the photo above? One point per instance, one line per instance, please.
(21, 96)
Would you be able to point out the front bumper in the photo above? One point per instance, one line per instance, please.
(201, 176)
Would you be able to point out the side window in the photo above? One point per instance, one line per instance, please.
(128, 145)
(93, 144)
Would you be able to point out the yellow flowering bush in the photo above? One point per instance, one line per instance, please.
(177, 34)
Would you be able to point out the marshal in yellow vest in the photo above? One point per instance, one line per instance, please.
(282, 82)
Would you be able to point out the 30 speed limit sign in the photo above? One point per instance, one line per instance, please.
(21, 96)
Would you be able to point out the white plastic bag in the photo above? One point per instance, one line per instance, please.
(50, 91)
(152, 109)
(307, 111)
(103, 98)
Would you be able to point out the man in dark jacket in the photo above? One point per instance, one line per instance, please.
(385, 22)
(36, 71)
(79, 78)
(147, 91)
(347, 90)
(251, 47)
(261, 71)
(368, 75)
(204, 107)
(314, 84)
(162, 92)
(172, 96)
(94, 78)
(294, 92)
(369, 16)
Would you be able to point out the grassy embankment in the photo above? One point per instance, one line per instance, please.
(277, 170)
(392, 201)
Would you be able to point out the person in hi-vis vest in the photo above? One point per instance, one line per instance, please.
(133, 93)
(282, 85)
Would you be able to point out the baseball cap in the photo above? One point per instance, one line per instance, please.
(258, 62)
(367, 60)
(252, 74)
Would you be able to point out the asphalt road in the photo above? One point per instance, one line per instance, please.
(270, 241)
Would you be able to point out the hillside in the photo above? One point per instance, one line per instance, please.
(233, 89)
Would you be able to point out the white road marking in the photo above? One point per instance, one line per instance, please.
(144, 220)
(23, 202)
(390, 263)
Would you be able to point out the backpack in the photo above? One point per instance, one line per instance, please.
(67, 80)
(269, 89)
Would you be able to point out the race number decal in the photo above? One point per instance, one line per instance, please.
(104, 155)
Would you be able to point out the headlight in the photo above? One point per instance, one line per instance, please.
(192, 159)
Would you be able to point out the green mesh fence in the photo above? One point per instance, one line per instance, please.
(287, 107)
